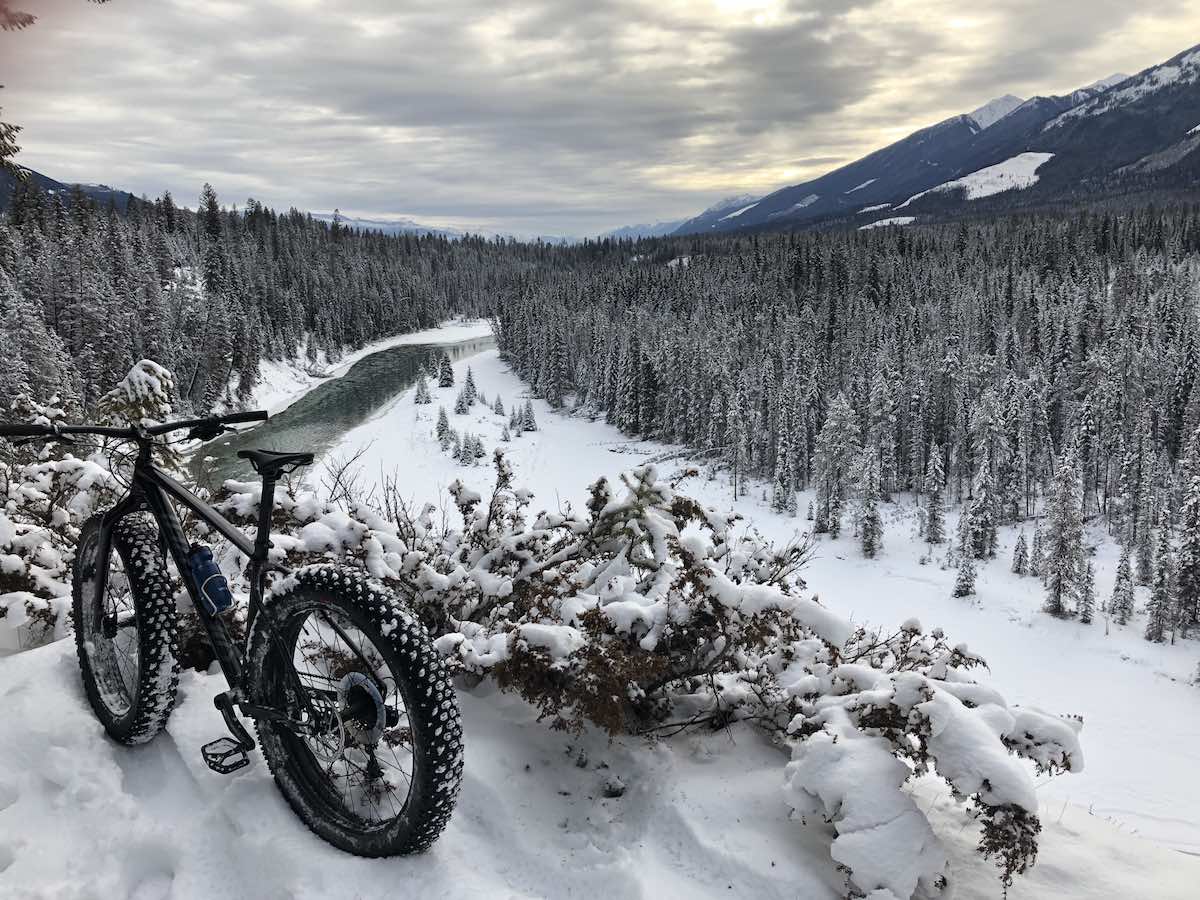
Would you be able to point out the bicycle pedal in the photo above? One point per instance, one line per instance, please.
(224, 755)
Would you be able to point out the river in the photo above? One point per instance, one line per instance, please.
(318, 420)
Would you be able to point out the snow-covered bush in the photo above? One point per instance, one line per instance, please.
(648, 613)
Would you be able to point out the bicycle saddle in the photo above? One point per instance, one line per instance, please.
(269, 462)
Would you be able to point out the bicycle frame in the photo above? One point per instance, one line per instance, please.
(154, 489)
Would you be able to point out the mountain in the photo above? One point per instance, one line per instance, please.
(721, 211)
(633, 232)
(102, 194)
(390, 226)
(1118, 134)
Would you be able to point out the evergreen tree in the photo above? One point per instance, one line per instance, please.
(1087, 595)
(781, 493)
(1160, 611)
(871, 532)
(462, 405)
(498, 409)
(1064, 556)
(445, 372)
(1020, 563)
(836, 449)
(964, 583)
(468, 389)
(422, 396)
(443, 426)
(935, 519)
(528, 422)
(1188, 581)
(1037, 558)
(504, 434)
(1121, 603)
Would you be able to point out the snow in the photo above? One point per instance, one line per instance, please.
(1017, 173)
(702, 816)
(863, 185)
(995, 110)
(1185, 69)
(1125, 688)
(883, 223)
(875, 208)
(1194, 130)
(802, 204)
(738, 212)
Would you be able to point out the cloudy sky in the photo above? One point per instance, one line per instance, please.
(548, 116)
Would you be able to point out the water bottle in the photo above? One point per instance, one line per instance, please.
(213, 587)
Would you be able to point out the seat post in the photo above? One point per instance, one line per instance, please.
(266, 506)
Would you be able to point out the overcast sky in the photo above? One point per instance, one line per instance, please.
(551, 116)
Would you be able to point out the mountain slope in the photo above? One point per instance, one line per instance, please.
(102, 194)
(1117, 134)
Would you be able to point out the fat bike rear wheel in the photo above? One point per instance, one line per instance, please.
(371, 759)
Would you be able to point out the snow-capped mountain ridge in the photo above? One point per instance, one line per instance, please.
(1182, 69)
(1120, 127)
(995, 110)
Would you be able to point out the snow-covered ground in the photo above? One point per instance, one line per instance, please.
(702, 816)
(1017, 173)
(282, 383)
(883, 223)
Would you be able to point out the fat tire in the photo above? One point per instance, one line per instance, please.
(428, 694)
(135, 538)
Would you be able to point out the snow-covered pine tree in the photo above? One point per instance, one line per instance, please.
(422, 396)
(1120, 605)
(836, 449)
(871, 531)
(964, 583)
(1064, 553)
(1160, 611)
(456, 445)
(505, 435)
(462, 405)
(1087, 595)
(468, 389)
(498, 408)
(983, 513)
(935, 518)
(1020, 563)
(1037, 557)
(528, 422)
(1188, 579)
(445, 372)
(781, 492)
(443, 427)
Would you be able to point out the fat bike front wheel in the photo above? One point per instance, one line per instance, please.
(371, 759)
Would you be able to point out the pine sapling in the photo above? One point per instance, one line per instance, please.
(443, 427)
(1121, 603)
(1020, 563)
(445, 372)
(422, 395)
(1087, 595)
(964, 584)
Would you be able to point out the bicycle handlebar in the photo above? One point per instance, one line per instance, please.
(22, 430)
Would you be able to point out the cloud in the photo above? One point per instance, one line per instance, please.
(551, 116)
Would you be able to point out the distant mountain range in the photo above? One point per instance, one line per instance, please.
(1118, 134)
(391, 226)
(101, 193)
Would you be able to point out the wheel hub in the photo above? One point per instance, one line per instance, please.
(361, 709)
